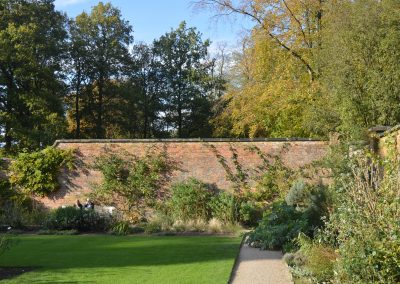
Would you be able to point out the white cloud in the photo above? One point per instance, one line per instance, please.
(64, 3)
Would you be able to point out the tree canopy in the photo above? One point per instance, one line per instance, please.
(306, 69)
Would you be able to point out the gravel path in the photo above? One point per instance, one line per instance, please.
(260, 266)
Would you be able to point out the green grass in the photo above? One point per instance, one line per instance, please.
(111, 259)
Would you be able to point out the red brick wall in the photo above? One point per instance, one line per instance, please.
(194, 158)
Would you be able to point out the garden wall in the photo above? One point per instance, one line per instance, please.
(199, 158)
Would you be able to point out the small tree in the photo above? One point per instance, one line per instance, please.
(131, 183)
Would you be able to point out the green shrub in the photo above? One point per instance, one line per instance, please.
(190, 200)
(279, 227)
(152, 228)
(224, 207)
(71, 218)
(121, 228)
(137, 229)
(318, 259)
(365, 225)
(302, 212)
(250, 213)
(36, 173)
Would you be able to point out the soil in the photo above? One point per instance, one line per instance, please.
(11, 272)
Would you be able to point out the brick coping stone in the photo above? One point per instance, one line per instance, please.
(187, 140)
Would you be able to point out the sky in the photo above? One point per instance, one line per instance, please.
(152, 18)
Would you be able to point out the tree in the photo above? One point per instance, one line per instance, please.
(79, 65)
(182, 72)
(32, 38)
(100, 40)
(361, 59)
(147, 85)
(268, 95)
(293, 25)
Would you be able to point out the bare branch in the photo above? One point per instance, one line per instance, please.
(229, 8)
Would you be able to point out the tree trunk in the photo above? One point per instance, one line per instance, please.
(8, 102)
(99, 122)
(77, 114)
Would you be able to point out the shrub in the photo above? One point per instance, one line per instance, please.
(279, 227)
(302, 212)
(314, 259)
(365, 224)
(121, 228)
(71, 218)
(189, 200)
(224, 207)
(152, 228)
(36, 173)
(250, 213)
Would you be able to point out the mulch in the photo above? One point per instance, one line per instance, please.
(11, 272)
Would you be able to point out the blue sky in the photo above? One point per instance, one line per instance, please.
(152, 18)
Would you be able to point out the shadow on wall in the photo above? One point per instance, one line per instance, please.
(67, 177)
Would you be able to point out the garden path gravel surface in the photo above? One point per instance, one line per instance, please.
(256, 266)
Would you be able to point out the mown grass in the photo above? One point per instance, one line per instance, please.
(131, 259)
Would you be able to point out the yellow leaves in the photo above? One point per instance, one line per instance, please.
(273, 99)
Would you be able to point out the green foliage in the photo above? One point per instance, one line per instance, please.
(130, 183)
(279, 227)
(224, 207)
(284, 221)
(32, 40)
(120, 228)
(250, 213)
(360, 58)
(152, 228)
(100, 55)
(314, 260)
(36, 173)
(71, 218)
(190, 200)
(185, 83)
(365, 224)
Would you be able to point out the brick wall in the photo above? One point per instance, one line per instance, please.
(193, 158)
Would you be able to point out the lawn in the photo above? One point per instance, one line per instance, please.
(111, 259)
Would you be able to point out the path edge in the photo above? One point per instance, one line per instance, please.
(236, 261)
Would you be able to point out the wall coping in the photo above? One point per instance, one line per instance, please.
(187, 140)
(389, 131)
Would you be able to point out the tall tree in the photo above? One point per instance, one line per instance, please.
(145, 80)
(183, 74)
(32, 41)
(102, 40)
